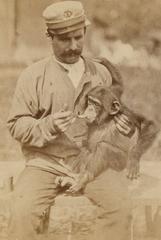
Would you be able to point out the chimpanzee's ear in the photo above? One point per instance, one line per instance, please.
(115, 107)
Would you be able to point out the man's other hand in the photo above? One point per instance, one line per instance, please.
(124, 125)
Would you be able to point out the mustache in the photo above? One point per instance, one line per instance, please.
(72, 52)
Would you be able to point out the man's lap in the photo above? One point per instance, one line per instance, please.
(109, 190)
(37, 187)
(33, 195)
(35, 192)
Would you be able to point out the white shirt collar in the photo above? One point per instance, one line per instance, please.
(75, 70)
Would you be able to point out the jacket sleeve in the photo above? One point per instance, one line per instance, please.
(23, 122)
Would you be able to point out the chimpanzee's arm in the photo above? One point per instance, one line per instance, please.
(91, 165)
(104, 155)
(96, 161)
(148, 133)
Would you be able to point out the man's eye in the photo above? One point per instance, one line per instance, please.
(78, 38)
(64, 39)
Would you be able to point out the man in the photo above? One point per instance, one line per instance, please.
(48, 95)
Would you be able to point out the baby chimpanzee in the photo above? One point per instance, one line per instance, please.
(106, 146)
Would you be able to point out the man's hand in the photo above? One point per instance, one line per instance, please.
(124, 125)
(62, 119)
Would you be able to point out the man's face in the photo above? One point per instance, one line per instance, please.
(68, 47)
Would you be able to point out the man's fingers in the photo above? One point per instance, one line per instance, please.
(123, 129)
(125, 118)
(122, 123)
(122, 126)
(62, 124)
(122, 118)
(62, 119)
(59, 122)
(63, 127)
(62, 114)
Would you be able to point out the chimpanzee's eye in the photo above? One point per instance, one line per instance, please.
(96, 104)
(90, 102)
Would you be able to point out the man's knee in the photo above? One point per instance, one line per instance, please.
(29, 213)
(108, 188)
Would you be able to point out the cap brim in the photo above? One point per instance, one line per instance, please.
(71, 28)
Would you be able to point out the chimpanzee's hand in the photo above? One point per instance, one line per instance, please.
(124, 125)
(133, 169)
(79, 184)
(61, 181)
(75, 188)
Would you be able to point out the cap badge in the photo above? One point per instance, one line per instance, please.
(67, 14)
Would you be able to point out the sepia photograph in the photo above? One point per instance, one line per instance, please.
(80, 119)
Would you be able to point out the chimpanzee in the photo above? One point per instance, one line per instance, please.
(106, 147)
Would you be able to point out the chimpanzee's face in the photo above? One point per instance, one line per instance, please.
(92, 110)
(102, 105)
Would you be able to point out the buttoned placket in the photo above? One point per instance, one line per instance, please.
(85, 80)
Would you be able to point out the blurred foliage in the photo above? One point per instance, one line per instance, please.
(131, 18)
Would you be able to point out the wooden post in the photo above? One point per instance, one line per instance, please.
(149, 220)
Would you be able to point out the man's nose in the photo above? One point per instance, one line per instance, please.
(73, 44)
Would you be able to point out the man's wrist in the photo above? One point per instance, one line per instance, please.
(48, 130)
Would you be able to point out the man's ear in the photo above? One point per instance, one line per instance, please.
(115, 107)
